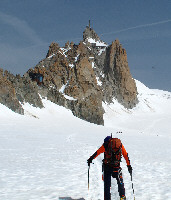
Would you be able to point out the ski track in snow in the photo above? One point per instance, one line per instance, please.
(45, 158)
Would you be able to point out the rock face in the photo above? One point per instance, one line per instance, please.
(111, 68)
(119, 82)
(8, 94)
(69, 80)
(16, 90)
(89, 33)
(78, 77)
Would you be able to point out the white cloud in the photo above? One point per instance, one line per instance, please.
(139, 26)
(21, 26)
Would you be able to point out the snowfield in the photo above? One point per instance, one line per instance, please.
(43, 154)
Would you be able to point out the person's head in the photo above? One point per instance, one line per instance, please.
(107, 138)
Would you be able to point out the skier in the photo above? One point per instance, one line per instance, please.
(113, 150)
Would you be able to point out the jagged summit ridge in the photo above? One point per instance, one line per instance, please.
(79, 77)
(90, 36)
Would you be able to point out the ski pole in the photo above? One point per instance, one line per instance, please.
(132, 187)
(88, 175)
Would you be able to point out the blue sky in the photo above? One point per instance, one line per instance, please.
(143, 27)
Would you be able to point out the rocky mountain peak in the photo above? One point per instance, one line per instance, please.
(90, 33)
(77, 76)
(53, 49)
(90, 37)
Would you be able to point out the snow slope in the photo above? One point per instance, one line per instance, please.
(43, 154)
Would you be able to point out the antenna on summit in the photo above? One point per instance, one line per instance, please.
(89, 23)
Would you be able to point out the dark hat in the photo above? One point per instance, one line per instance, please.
(107, 139)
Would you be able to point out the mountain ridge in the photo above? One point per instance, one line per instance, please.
(78, 77)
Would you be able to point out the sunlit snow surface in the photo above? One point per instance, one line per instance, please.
(43, 154)
(97, 43)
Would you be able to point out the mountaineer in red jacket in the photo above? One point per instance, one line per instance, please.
(113, 150)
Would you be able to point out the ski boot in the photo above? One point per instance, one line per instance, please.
(123, 198)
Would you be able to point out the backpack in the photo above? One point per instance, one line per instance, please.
(113, 152)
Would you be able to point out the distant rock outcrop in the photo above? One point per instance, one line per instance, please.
(8, 93)
(17, 90)
(78, 77)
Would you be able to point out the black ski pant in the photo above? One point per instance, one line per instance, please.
(115, 172)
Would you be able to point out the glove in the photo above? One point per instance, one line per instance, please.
(129, 169)
(89, 161)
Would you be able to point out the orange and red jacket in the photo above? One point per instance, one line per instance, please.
(102, 150)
